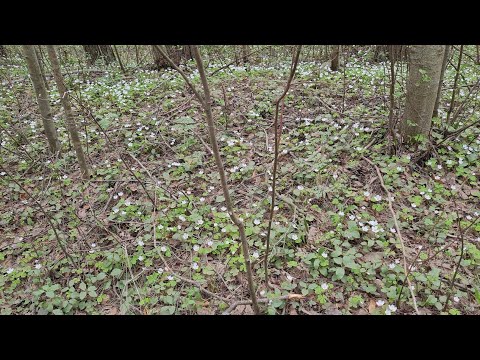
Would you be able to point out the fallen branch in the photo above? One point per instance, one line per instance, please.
(398, 232)
(262, 301)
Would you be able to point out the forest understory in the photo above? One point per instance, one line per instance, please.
(149, 232)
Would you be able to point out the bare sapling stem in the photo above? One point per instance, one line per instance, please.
(277, 132)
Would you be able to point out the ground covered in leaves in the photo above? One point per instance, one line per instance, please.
(150, 228)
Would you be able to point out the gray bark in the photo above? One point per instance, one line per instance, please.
(42, 97)
(335, 58)
(42, 68)
(425, 66)
(446, 53)
(70, 118)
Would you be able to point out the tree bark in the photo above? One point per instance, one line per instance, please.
(38, 54)
(42, 98)
(335, 58)
(455, 82)
(118, 59)
(99, 51)
(446, 53)
(245, 53)
(70, 119)
(425, 67)
(176, 53)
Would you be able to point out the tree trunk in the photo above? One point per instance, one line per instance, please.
(235, 52)
(137, 55)
(425, 67)
(446, 53)
(3, 51)
(335, 58)
(245, 53)
(99, 51)
(187, 52)
(70, 119)
(118, 59)
(38, 54)
(42, 97)
(376, 54)
(176, 53)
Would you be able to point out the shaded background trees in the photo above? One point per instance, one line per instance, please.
(94, 52)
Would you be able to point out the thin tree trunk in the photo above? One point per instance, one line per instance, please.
(137, 55)
(237, 61)
(245, 54)
(223, 178)
(118, 59)
(391, 124)
(454, 91)
(442, 73)
(42, 98)
(70, 118)
(422, 87)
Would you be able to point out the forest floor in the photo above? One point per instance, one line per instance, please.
(150, 228)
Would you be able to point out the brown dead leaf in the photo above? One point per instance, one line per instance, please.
(205, 311)
(312, 234)
(295, 296)
(82, 213)
(371, 306)
(361, 312)
(243, 310)
(112, 311)
(133, 187)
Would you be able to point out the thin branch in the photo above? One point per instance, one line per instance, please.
(462, 242)
(277, 131)
(180, 71)
(398, 232)
(452, 102)
(49, 218)
(262, 300)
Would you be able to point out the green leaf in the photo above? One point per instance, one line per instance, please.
(184, 120)
(340, 272)
(167, 310)
(57, 312)
(101, 276)
(116, 272)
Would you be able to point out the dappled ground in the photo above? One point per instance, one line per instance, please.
(149, 228)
